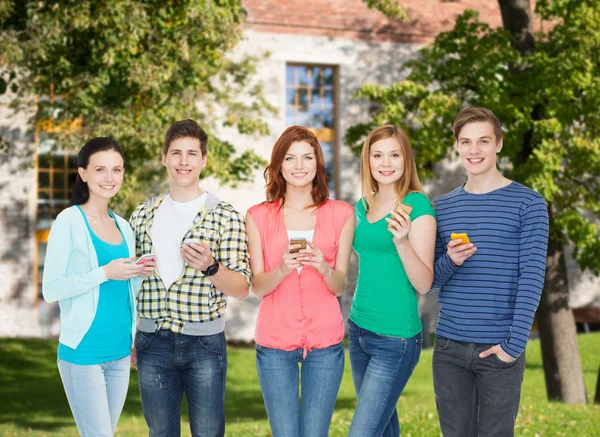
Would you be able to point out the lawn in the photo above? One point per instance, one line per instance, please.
(34, 403)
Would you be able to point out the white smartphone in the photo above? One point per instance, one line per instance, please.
(145, 258)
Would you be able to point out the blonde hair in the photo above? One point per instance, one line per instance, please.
(408, 182)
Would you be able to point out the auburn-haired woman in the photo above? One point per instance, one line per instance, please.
(89, 270)
(299, 320)
(395, 242)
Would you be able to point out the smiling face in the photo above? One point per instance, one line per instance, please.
(184, 162)
(478, 146)
(299, 165)
(103, 174)
(386, 161)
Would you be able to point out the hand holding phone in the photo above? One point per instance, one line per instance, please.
(460, 248)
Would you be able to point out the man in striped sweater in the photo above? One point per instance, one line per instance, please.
(489, 288)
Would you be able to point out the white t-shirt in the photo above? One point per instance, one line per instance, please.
(171, 222)
(301, 234)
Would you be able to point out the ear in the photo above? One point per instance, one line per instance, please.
(499, 146)
(163, 159)
(81, 172)
(203, 162)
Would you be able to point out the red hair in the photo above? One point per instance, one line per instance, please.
(275, 183)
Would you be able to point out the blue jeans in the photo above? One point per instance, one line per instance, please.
(475, 396)
(96, 394)
(170, 364)
(381, 367)
(321, 376)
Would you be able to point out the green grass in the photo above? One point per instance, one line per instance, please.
(34, 404)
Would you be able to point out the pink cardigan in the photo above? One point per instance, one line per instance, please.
(301, 312)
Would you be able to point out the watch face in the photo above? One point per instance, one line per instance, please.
(212, 269)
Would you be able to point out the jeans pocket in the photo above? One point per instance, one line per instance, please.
(214, 343)
(143, 339)
(504, 363)
(441, 343)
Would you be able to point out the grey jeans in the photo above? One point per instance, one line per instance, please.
(475, 396)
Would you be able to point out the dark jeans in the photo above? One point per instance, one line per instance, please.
(170, 364)
(381, 367)
(475, 396)
(321, 376)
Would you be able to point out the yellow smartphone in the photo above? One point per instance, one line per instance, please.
(300, 241)
(464, 237)
(402, 207)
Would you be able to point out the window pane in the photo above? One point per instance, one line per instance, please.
(43, 179)
(328, 79)
(59, 182)
(328, 98)
(328, 119)
(316, 77)
(290, 116)
(289, 97)
(43, 161)
(58, 160)
(302, 73)
(303, 99)
(289, 75)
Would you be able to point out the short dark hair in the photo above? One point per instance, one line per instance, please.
(473, 115)
(186, 129)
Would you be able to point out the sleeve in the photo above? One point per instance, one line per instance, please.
(421, 205)
(533, 246)
(233, 249)
(443, 267)
(56, 285)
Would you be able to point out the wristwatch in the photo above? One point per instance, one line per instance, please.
(212, 269)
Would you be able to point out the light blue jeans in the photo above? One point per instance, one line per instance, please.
(96, 394)
(308, 413)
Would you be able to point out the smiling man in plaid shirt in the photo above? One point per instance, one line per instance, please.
(201, 253)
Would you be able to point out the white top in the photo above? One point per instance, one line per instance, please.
(301, 234)
(171, 222)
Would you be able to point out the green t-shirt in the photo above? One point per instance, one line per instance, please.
(385, 302)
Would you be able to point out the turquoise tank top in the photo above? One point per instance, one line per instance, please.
(109, 337)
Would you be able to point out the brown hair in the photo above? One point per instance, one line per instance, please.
(275, 183)
(186, 129)
(408, 182)
(473, 115)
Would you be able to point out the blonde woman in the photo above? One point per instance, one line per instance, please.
(395, 247)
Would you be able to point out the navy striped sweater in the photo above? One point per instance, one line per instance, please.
(493, 296)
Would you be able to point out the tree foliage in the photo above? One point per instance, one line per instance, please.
(129, 68)
(549, 109)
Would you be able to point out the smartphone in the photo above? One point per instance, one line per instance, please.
(464, 237)
(145, 258)
(301, 242)
(402, 207)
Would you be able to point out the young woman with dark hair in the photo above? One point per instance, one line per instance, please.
(299, 320)
(89, 270)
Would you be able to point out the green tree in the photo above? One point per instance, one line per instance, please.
(545, 89)
(129, 68)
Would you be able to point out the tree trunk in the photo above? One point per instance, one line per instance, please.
(558, 335)
(517, 19)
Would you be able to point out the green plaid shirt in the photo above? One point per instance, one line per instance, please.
(192, 298)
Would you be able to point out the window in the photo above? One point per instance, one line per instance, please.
(310, 102)
(56, 173)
